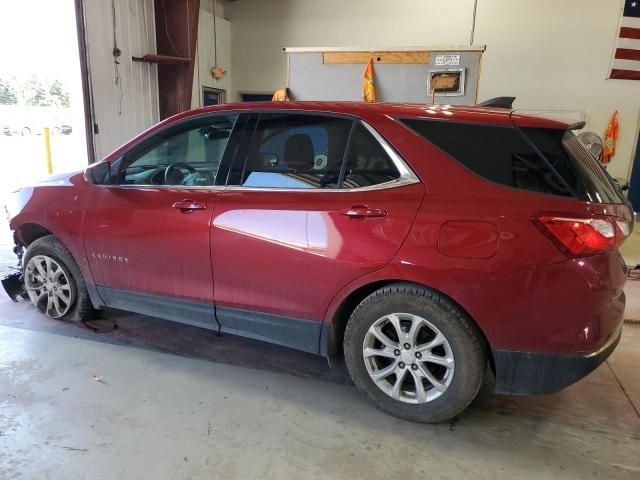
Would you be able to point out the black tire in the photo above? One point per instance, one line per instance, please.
(81, 309)
(466, 342)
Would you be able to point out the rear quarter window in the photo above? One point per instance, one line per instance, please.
(583, 173)
(499, 154)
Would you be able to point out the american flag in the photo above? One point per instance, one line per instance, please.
(626, 59)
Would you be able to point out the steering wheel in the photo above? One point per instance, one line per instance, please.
(172, 169)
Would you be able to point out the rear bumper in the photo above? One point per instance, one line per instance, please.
(528, 373)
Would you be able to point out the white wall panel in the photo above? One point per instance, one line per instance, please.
(211, 41)
(125, 108)
(550, 54)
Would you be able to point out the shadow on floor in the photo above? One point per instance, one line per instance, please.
(581, 406)
(169, 337)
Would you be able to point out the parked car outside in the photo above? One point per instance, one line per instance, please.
(26, 121)
(421, 244)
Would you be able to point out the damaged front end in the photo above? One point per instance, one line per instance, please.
(13, 283)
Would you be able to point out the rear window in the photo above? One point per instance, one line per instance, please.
(499, 154)
(558, 165)
(584, 174)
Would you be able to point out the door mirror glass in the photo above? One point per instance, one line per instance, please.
(98, 174)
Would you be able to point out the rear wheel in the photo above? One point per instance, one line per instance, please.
(54, 282)
(414, 353)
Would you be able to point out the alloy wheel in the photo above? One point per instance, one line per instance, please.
(48, 286)
(408, 358)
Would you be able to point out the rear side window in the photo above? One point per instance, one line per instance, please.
(296, 151)
(499, 154)
(368, 163)
(311, 151)
(583, 173)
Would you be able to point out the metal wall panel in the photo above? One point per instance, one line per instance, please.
(124, 95)
(206, 55)
(311, 79)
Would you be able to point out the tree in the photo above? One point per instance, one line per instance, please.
(35, 93)
(8, 93)
(58, 95)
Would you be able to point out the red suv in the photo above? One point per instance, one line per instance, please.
(422, 244)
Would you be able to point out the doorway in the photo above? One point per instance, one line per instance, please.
(40, 92)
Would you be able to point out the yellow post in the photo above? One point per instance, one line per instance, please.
(47, 150)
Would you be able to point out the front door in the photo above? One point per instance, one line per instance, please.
(313, 202)
(147, 236)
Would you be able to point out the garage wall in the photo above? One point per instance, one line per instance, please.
(211, 37)
(549, 54)
(125, 108)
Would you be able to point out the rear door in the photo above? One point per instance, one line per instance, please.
(313, 202)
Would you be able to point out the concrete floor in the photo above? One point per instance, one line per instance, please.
(178, 402)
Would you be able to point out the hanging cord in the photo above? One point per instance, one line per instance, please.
(215, 35)
(188, 31)
(473, 22)
(116, 52)
(166, 28)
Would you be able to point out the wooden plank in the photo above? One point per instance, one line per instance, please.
(378, 57)
(152, 58)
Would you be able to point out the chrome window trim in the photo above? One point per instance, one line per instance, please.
(398, 182)
(407, 176)
(398, 161)
(165, 187)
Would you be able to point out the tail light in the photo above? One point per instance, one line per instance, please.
(581, 237)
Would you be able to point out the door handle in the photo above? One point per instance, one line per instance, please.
(363, 211)
(188, 206)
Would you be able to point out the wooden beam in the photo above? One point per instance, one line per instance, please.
(378, 57)
(151, 58)
(176, 38)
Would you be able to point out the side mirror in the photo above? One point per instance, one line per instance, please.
(99, 174)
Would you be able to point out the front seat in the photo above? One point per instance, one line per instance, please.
(298, 153)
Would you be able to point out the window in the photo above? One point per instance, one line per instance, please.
(189, 157)
(499, 154)
(256, 97)
(307, 151)
(295, 151)
(368, 163)
(584, 174)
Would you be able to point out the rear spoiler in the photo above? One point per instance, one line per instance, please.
(498, 102)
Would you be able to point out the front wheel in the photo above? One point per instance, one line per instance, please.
(414, 353)
(54, 282)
